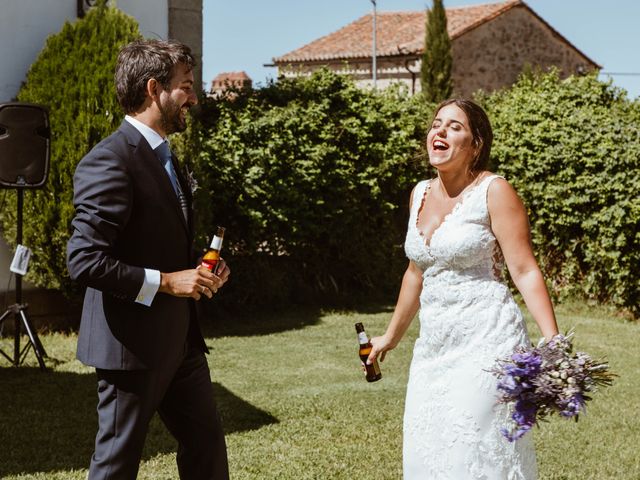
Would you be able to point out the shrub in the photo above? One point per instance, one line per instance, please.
(73, 77)
(572, 150)
(308, 176)
(435, 71)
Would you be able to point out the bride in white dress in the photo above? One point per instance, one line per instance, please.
(463, 225)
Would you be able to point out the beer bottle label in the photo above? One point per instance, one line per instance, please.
(216, 243)
(362, 338)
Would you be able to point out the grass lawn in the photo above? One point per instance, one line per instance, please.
(296, 406)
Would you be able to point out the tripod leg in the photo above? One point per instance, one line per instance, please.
(16, 340)
(33, 334)
(35, 341)
(4, 315)
(2, 319)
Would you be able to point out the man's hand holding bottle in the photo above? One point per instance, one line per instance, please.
(195, 282)
(210, 275)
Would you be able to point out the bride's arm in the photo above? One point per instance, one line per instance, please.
(510, 225)
(406, 308)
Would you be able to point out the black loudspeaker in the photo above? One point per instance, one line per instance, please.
(24, 145)
(84, 6)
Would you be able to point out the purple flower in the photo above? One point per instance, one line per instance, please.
(509, 385)
(525, 413)
(527, 364)
(530, 358)
(573, 406)
(516, 433)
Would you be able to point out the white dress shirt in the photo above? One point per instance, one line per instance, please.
(151, 282)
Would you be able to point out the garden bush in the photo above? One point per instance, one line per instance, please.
(311, 177)
(73, 78)
(572, 150)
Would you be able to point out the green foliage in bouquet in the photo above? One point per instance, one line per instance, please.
(571, 148)
(73, 78)
(311, 177)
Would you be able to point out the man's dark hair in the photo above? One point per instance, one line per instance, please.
(142, 60)
(480, 129)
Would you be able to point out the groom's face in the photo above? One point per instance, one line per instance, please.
(176, 100)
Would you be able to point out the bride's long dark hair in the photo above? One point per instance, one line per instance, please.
(480, 129)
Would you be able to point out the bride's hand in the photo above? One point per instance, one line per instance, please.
(380, 347)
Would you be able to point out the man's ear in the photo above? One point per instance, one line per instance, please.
(153, 89)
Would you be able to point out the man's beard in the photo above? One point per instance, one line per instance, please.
(170, 117)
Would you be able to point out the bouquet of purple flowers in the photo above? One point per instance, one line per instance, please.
(547, 379)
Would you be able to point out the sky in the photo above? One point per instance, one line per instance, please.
(246, 34)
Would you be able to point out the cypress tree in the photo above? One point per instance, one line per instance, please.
(73, 78)
(436, 58)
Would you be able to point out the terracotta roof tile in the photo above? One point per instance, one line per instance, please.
(397, 33)
(230, 76)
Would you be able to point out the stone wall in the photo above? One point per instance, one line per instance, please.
(389, 70)
(494, 54)
(185, 25)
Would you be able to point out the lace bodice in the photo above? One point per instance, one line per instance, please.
(468, 319)
(463, 241)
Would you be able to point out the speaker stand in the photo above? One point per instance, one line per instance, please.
(20, 314)
(21, 319)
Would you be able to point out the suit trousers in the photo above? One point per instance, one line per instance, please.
(182, 394)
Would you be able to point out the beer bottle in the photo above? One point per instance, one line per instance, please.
(372, 372)
(211, 258)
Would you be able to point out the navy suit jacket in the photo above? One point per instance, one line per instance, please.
(128, 218)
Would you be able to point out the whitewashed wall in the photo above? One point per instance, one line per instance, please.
(25, 24)
(24, 27)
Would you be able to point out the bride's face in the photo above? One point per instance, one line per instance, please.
(450, 141)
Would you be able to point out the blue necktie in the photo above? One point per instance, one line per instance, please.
(164, 154)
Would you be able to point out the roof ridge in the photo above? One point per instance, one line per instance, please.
(459, 7)
(506, 6)
(319, 39)
(400, 28)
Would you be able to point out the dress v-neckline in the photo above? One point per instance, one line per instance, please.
(445, 219)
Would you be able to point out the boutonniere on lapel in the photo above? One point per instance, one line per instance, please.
(191, 181)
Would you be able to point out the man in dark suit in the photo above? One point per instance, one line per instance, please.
(132, 247)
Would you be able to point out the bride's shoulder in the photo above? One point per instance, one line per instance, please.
(494, 179)
(501, 193)
(418, 187)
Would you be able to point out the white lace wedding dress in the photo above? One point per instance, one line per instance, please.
(468, 319)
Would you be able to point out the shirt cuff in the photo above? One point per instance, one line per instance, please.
(149, 288)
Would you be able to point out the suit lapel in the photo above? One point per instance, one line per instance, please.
(156, 171)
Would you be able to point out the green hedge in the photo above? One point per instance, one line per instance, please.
(572, 150)
(311, 177)
(73, 77)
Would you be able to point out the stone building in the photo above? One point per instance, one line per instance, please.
(490, 43)
(223, 81)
